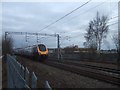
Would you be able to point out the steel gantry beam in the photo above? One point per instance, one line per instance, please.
(28, 33)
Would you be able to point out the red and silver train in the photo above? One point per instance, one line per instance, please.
(36, 52)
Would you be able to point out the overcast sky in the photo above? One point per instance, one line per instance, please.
(33, 16)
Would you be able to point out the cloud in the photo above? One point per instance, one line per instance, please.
(32, 17)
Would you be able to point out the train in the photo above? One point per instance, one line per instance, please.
(37, 52)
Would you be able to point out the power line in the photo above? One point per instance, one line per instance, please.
(113, 23)
(113, 17)
(108, 19)
(80, 34)
(86, 11)
(83, 26)
(77, 15)
(65, 15)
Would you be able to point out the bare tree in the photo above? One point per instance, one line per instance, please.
(116, 41)
(96, 32)
(7, 45)
(90, 38)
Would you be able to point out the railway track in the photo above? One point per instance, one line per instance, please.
(92, 61)
(112, 70)
(100, 73)
(104, 74)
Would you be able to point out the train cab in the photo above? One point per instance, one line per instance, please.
(40, 52)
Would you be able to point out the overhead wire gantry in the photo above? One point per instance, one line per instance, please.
(37, 34)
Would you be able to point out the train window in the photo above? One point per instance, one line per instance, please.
(42, 47)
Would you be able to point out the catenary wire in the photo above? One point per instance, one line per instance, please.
(65, 15)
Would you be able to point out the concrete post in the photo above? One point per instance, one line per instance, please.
(58, 46)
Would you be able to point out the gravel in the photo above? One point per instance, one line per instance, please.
(113, 66)
(58, 78)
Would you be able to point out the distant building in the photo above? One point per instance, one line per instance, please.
(71, 49)
(76, 49)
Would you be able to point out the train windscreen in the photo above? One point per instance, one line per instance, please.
(42, 47)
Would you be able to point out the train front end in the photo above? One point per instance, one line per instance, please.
(42, 52)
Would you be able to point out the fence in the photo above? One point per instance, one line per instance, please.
(19, 77)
